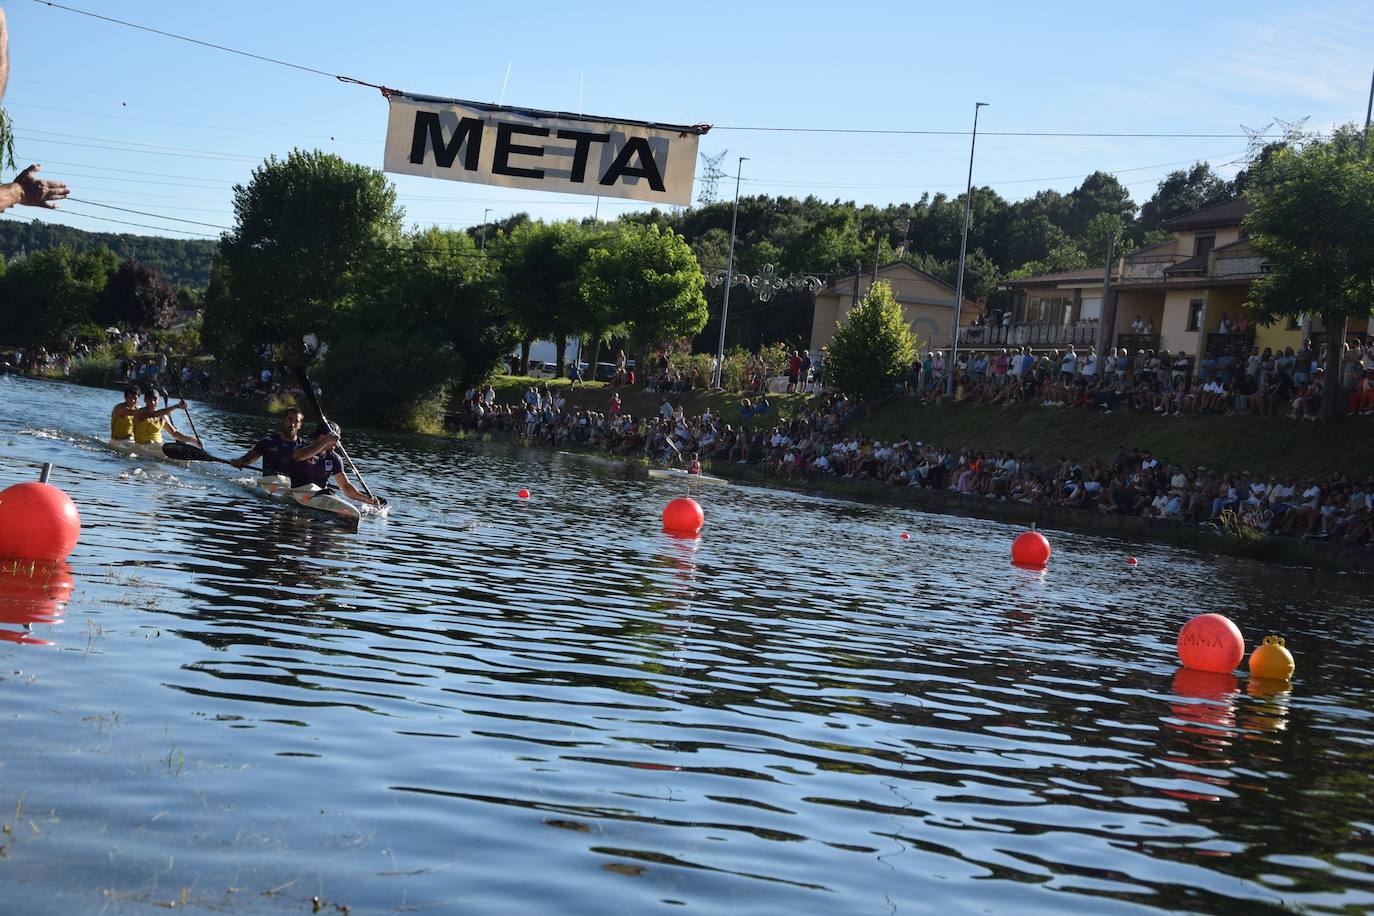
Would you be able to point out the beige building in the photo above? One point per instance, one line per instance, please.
(927, 304)
(1179, 290)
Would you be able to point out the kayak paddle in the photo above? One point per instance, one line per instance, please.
(183, 451)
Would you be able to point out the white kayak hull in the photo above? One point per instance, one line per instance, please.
(679, 474)
(310, 497)
(149, 450)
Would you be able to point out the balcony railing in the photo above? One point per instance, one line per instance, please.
(1136, 342)
(1238, 345)
(1083, 333)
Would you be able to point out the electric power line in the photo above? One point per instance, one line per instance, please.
(734, 127)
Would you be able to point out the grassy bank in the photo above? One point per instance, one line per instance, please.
(1262, 445)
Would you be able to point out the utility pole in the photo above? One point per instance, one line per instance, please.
(482, 246)
(963, 251)
(729, 272)
(1107, 314)
(1368, 109)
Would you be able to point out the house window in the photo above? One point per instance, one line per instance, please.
(1194, 314)
(1294, 322)
(1203, 244)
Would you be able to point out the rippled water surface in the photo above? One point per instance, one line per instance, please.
(486, 705)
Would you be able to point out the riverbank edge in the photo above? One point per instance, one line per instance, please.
(1288, 551)
(1206, 540)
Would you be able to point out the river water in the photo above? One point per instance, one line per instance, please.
(488, 705)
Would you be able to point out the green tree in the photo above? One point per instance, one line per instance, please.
(426, 321)
(873, 348)
(1184, 191)
(50, 293)
(1099, 193)
(307, 227)
(136, 297)
(538, 268)
(649, 281)
(1313, 220)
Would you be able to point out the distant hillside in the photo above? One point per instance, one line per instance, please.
(182, 262)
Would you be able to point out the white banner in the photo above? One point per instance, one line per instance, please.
(541, 150)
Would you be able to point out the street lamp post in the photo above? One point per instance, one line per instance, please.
(729, 274)
(963, 251)
(482, 245)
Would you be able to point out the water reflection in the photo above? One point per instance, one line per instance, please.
(32, 594)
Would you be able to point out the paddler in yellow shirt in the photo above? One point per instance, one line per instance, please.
(123, 415)
(150, 422)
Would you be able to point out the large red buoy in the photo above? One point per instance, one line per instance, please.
(683, 516)
(37, 522)
(1030, 549)
(1211, 642)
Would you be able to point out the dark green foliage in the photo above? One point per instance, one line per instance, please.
(1313, 220)
(181, 262)
(48, 294)
(136, 297)
(308, 227)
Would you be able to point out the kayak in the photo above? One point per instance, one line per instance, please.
(132, 449)
(679, 474)
(309, 496)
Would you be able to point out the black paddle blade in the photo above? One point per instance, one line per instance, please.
(184, 451)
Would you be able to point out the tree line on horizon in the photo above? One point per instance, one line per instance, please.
(320, 247)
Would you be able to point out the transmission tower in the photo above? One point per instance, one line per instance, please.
(711, 174)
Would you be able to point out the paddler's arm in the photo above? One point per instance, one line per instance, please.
(178, 435)
(353, 492)
(306, 452)
(253, 455)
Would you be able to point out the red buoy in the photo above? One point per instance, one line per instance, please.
(523, 494)
(1131, 561)
(1030, 549)
(905, 536)
(683, 515)
(1211, 642)
(37, 522)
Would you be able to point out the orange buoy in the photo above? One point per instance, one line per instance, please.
(1030, 549)
(37, 522)
(1211, 642)
(523, 494)
(683, 515)
(1271, 659)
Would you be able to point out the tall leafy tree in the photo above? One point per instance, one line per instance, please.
(1313, 220)
(1099, 193)
(307, 227)
(873, 348)
(1184, 191)
(649, 280)
(49, 293)
(136, 297)
(538, 267)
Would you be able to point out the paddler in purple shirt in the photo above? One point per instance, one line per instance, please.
(317, 463)
(278, 449)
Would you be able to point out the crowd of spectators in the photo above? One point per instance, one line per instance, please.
(820, 443)
(1268, 382)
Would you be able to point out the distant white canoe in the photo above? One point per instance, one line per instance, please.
(679, 474)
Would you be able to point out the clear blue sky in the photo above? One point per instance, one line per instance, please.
(145, 122)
